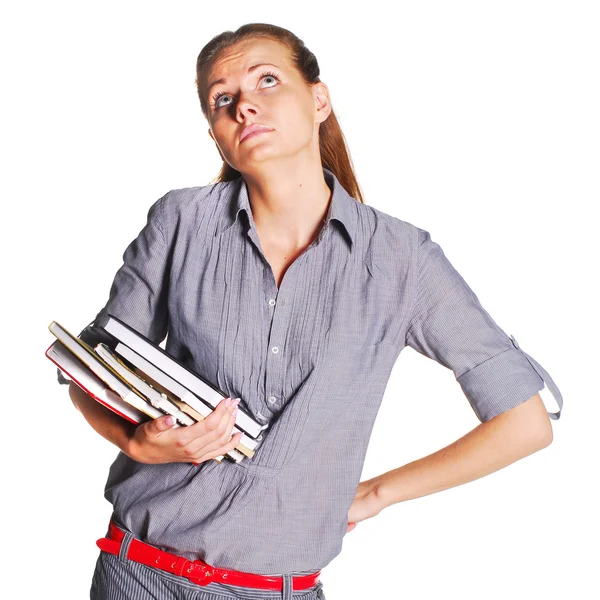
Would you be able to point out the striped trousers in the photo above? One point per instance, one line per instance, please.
(118, 578)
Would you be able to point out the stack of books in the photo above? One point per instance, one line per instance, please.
(138, 380)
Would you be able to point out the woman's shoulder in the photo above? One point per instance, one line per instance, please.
(391, 243)
(389, 229)
(187, 208)
(192, 198)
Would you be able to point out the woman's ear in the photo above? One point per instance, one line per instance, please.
(322, 101)
(217, 145)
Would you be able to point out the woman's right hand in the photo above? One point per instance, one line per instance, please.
(157, 442)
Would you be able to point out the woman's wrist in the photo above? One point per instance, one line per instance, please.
(380, 495)
(109, 425)
(128, 446)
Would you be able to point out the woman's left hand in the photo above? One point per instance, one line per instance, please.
(365, 504)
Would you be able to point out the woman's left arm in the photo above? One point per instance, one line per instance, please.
(492, 445)
(449, 325)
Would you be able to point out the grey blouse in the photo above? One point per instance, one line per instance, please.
(311, 357)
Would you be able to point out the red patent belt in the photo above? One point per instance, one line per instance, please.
(196, 571)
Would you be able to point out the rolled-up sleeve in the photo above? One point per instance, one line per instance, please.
(139, 291)
(450, 326)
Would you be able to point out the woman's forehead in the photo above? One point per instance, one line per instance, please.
(250, 52)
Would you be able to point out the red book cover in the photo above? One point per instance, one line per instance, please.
(77, 371)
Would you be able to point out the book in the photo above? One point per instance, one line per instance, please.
(157, 399)
(189, 401)
(132, 405)
(195, 383)
(103, 371)
(92, 385)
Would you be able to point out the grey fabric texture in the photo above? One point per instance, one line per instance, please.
(312, 358)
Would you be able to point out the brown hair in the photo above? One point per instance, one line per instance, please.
(335, 155)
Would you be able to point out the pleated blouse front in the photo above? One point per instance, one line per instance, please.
(312, 358)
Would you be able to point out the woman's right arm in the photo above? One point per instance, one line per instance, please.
(107, 423)
(156, 441)
(139, 296)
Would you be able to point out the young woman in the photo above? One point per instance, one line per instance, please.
(281, 285)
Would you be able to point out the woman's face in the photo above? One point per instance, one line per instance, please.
(273, 95)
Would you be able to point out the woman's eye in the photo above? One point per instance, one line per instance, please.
(269, 75)
(219, 95)
(216, 98)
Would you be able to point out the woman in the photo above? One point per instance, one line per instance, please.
(281, 285)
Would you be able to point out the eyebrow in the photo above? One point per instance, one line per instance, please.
(250, 69)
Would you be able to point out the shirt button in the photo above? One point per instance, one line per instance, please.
(275, 349)
(272, 302)
(272, 399)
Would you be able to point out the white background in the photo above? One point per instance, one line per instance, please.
(477, 121)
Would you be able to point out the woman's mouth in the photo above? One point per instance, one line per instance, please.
(252, 130)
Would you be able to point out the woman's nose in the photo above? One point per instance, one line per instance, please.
(245, 106)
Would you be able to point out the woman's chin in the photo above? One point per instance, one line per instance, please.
(260, 153)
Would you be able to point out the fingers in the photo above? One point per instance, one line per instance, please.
(215, 440)
(161, 424)
(207, 427)
(201, 441)
(350, 527)
(235, 440)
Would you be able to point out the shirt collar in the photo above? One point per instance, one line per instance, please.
(341, 208)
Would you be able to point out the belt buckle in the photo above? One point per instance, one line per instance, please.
(199, 573)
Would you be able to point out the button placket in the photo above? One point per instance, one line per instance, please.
(280, 321)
